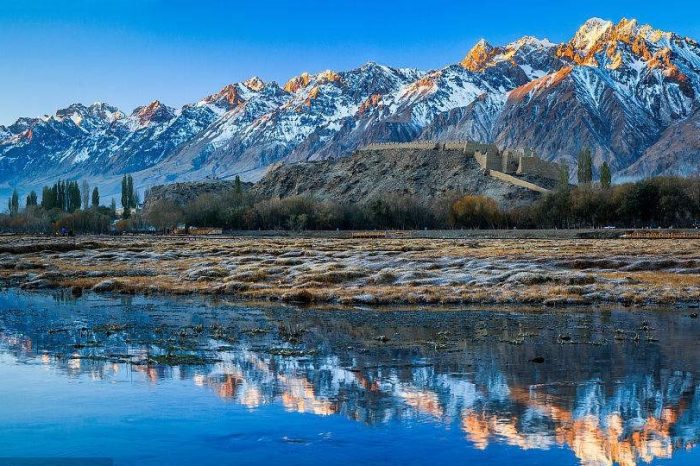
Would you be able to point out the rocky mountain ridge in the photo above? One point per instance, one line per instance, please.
(623, 89)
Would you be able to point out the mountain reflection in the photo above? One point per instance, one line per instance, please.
(607, 400)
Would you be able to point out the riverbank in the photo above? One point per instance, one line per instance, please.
(364, 271)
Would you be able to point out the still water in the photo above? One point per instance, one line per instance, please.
(187, 381)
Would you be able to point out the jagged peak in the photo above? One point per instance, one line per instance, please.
(590, 33)
(481, 53)
(73, 107)
(154, 111)
(531, 41)
(596, 30)
(78, 111)
(374, 67)
(105, 111)
(22, 124)
(153, 105)
(228, 97)
(102, 106)
(227, 89)
(482, 44)
(630, 28)
(328, 76)
(597, 36)
(298, 82)
(631, 25)
(254, 83)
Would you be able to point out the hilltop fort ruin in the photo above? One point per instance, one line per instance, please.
(514, 164)
(424, 170)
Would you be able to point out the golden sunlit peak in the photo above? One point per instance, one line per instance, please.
(298, 82)
(228, 89)
(372, 101)
(627, 24)
(153, 111)
(478, 55)
(328, 76)
(148, 110)
(227, 96)
(589, 33)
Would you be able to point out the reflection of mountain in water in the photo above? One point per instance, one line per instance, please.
(608, 399)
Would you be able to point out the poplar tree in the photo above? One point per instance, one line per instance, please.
(129, 198)
(13, 203)
(605, 175)
(47, 199)
(77, 198)
(125, 196)
(95, 197)
(585, 167)
(563, 182)
(133, 196)
(61, 195)
(31, 199)
(54, 196)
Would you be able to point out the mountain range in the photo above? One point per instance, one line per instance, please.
(629, 92)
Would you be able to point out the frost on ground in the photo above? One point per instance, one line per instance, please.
(362, 271)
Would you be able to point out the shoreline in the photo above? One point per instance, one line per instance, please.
(372, 272)
(232, 300)
(455, 233)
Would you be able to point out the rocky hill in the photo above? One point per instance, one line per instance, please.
(370, 174)
(182, 193)
(623, 89)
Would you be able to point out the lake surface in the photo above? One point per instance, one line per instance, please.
(188, 381)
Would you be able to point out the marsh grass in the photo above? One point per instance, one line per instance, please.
(421, 271)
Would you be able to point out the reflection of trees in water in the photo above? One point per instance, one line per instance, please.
(607, 400)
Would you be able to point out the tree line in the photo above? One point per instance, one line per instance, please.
(656, 202)
(68, 206)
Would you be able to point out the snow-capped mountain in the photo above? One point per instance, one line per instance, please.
(629, 92)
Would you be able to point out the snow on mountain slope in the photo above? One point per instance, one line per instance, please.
(562, 113)
(534, 56)
(677, 152)
(622, 86)
(474, 122)
(621, 89)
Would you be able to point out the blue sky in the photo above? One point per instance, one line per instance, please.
(127, 53)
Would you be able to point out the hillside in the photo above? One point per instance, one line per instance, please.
(369, 174)
(677, 152)
(182, 193)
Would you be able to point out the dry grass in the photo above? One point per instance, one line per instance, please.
(377, 271)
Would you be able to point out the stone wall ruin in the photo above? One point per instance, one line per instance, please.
(488, 156)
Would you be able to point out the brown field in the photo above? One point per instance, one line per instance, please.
(369, 271)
